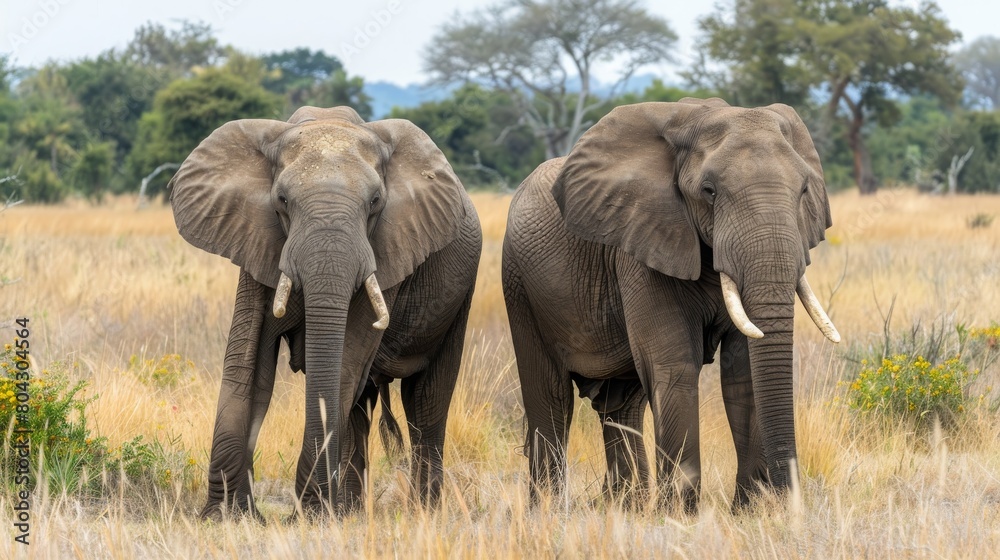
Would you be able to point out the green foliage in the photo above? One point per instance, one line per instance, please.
(298, 70)
(91, 172)
(480, 132)
(979, 62)
(980, 220)
(64, 454)
(981, 132)
(71, 457)
(113, 92)
(187, 111)
(152, 464)
(923, 374)
(176, 51)
(167, 372)
(339, 89)
(906, 387)
(862, 54)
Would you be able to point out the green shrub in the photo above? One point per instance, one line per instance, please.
(71, 457)
(64, 453)
(906, 387)
(167, 372)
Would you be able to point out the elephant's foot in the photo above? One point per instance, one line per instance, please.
(629, 495)
(684, 501)
(219, 512)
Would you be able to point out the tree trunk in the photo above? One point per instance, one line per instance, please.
(863, 174)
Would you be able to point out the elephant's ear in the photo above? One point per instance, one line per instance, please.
(618, 187)
(814, 215)
(221, 197)
(307, 113)
(424, 202)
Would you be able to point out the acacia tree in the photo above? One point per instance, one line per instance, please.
(979, 63)
(540, 50)
(863, 52)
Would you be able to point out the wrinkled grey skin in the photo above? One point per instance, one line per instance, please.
(328, 199)
(611, 268)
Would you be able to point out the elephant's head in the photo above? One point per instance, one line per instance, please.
(658, 180)
(324, 203)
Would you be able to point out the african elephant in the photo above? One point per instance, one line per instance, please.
(669, 228)
(312, 210)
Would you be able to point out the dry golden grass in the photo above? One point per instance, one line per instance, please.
(103, 284)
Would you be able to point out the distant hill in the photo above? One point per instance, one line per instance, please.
(386, 95)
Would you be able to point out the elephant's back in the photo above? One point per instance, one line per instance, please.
(534, 221)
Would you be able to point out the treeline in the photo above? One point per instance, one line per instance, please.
(886, 96)
(100, 125)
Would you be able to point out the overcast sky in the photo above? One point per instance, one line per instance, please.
(36, 31)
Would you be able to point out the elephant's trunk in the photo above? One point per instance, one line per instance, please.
(330, 278)
(771, 372)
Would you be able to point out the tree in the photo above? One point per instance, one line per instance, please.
(979, 63)
(113, 93)
(341, 90)
(51, 122)
(187, 111)
(91, 171)
(544, 53)
(298, 71)
(761, 52)
(866, 53)
(177, 51)
(478, 131)
(979, 132)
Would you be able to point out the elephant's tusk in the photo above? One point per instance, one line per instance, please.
(735, 308)
(378, 304)
(819, 316)
(281, 296)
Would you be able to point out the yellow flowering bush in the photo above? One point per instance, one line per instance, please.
(167, 372)
(52, 412)
(903, 386)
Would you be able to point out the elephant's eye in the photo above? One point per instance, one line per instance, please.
(283, 200)
(375, 200)
(708, 189)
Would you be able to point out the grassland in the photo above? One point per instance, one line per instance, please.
(109, 287)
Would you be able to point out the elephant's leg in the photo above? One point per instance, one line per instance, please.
(737, 394)
(359, 426)
(674, 401)
(426, 397)
(547, 394)
(621, 407)
(665, 332)
(228, 474)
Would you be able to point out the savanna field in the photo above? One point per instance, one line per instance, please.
(118, 301)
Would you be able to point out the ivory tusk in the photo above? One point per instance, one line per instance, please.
(815, 310)
(378, 303)
(281, 296)
(735, 308)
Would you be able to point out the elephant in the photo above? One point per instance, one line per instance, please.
(358, 245)
(668, 230)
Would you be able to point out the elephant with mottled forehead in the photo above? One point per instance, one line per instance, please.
(312, 210)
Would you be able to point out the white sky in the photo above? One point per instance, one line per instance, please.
(36, 31)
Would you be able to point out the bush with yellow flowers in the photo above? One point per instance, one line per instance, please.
(54, 414)
(902, 386)
(167, 372)
(63, 452)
